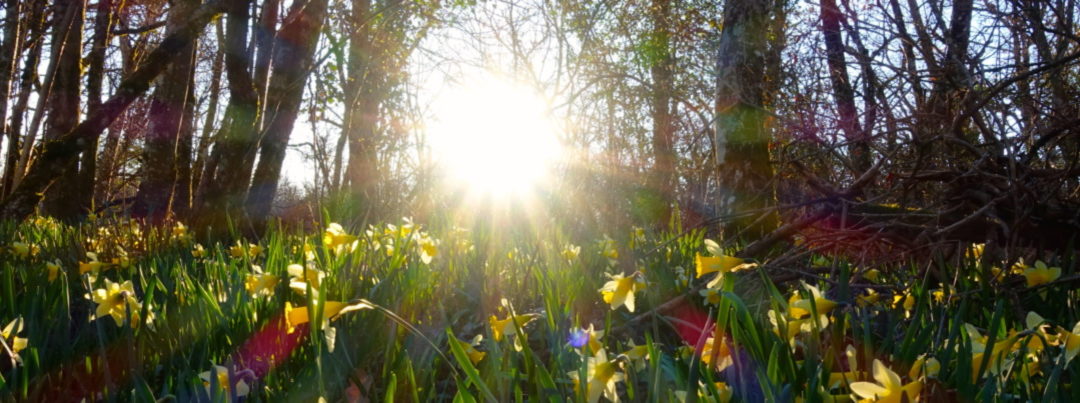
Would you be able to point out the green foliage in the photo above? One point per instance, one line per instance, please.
(391, 299)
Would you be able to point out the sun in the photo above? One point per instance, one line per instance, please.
(495, 137)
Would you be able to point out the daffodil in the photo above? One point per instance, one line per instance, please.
(716, 354)
(793, 327)
(570, 252)
(92, 265)
(53, 269)
(429, 248)
(975, 251)
(1040, 274)
(905, 301)
(712, 295)
(888, 388)
(602, 376)
(620, 290)
(998, 353)
(475, 356)
(336, 239)
(608, 250)
(240, 251)
(869, 299)
(301, 277)
(842, 379)
(873, 275)
(296, 316)
(198, 251)
(117, 300)
(799, 307)
(24, 250)
(220, 374)
(637, 354)
(259, 283)
(180, 232)
(501, 328)
(9, 336)
(924, 366)
(1070, 341)
(721, 264)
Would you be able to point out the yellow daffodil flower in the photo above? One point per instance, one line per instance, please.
(905, 301)
(602, 375)
(796, 326)
(24, 250)
(888, 388)
(1040, 274)
(250, 251)
(222, 377)
(998, 353)
(13, 344)
(92, 265)
(475, 356)
(799, 307)
(501, 328)
(712, 295)
(53, 269)
(637, 354)
(976, 251)
(570, 252)
(842, 379)
(301, 277)
(1070, 340)
(259, 283)
(295, 316)
(924, 366)
(429, 248)
(337, 240)
(608, 250)
(873, 275)
(116, 300)
(718, 264)
(620, 290)
(869, 299)
(198, 251)
(720, 355)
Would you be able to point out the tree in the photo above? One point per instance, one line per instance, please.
(171, 113)
(59, 154)
(292, 63)
(742, 130)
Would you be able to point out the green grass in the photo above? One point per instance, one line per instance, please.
(394, 346)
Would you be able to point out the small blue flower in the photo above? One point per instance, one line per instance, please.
(578, 337)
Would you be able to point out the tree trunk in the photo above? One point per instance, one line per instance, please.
(292, 63)
(265, 42)
(207, 137)
(663, 177)
(858, 144)
(361, 112)
(63, 103)
(225, 191)
(742, 136)
(95, 79)
(9, 55)
(170, 107)
(62, 152)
